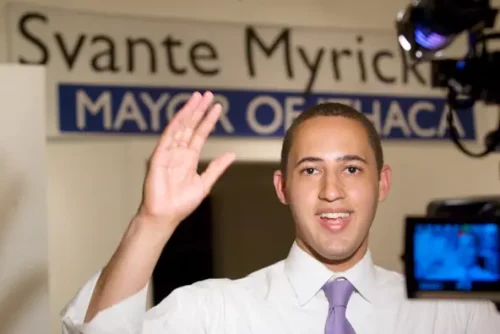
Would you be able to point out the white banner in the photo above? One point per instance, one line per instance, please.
(128, 75)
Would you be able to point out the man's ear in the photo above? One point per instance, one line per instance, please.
(279, 186)
(384, 183)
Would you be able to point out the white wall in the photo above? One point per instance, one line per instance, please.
(94, 186)
(24, 262)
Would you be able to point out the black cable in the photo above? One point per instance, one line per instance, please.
(455, 138)
(485, 37)
(493, 138)
(491, 141)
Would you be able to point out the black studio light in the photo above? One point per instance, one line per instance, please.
(427, 27)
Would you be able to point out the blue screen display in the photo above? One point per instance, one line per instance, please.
(464, 255)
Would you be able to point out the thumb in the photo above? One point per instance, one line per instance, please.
(215, 169)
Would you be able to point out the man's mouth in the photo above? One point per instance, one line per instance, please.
(335, 215)
(335, 221)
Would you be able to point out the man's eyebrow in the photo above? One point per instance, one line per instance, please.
(343, 158)
(352, 157)
(308, 159)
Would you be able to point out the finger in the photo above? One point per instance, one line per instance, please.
(206, 126)
(191, 121)
(175, 124)
(215, 169)
(194, 118)
(178, 124)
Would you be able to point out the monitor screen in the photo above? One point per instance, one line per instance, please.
(456, 256)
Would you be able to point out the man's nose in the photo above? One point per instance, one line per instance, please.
(331, 189)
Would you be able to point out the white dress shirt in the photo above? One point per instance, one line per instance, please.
(285, 297)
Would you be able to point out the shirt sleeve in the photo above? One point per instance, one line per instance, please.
(484, 318)
(195, 308)
(125, 317)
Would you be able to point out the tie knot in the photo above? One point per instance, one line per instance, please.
(338, 292)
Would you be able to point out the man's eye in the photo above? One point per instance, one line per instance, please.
(309, 170)
(352, 169)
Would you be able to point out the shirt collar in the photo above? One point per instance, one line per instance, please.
(307, 275)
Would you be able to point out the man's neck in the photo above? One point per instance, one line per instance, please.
(336, 265)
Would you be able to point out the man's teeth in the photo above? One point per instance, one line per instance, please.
(335, 215)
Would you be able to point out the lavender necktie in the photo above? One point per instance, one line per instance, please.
(338, 293)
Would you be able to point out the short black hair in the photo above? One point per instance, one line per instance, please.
(332, 109)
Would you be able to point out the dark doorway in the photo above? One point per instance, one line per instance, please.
(188, 256)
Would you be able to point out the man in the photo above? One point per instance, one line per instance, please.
(332, 177)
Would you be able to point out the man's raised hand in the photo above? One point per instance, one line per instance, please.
(172, 187)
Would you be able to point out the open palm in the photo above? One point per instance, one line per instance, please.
(173, 187)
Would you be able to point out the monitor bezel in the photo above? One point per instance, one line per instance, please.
(412, 284)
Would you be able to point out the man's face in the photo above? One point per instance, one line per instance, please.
(332, 188)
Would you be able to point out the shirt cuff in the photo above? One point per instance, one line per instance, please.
(125, 317)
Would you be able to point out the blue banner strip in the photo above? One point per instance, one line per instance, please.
(248, 113)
